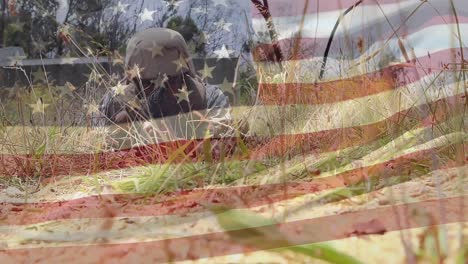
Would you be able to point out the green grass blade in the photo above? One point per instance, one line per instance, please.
(324, 252)
(255, 230)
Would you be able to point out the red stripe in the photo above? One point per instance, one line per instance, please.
(383, 80)
(335, 227)
(52, 165)
(191, 201)
(296, 8)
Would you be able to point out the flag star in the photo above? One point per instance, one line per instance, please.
(40, 45)
(160, 80)
(181, 64)
(92, 107)
(207, 71)
(146, 15)
(39, 75)
(174, 3)
(38, 107)
(183, 94)
(223, 25)
(67, 89)
(220, 2)
(120, 8)
(156, 50)
(134, 72)
(223, 53)
(119, 89)
(226, 86)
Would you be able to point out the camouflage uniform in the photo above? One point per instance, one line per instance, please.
(153, 56)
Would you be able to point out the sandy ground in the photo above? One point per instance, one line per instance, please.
(386, 248)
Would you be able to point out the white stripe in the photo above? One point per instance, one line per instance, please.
(381, 54)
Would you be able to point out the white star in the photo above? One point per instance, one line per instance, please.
(119, 89)
(174, 3)
(181, 64)
(146, 15)
(220, 2)
(39, 106)
(92, 108)
(183, 94)
(134, 72)
(40, 75)
(207, 72)
(156, 50)
(223, 25)
(226, 86)
(160, 80)
(40, 45)
(122, 8)
(223, 53)
(67, 89)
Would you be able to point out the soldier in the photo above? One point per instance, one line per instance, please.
(162, 82)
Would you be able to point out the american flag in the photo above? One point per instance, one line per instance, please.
(358, 130)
